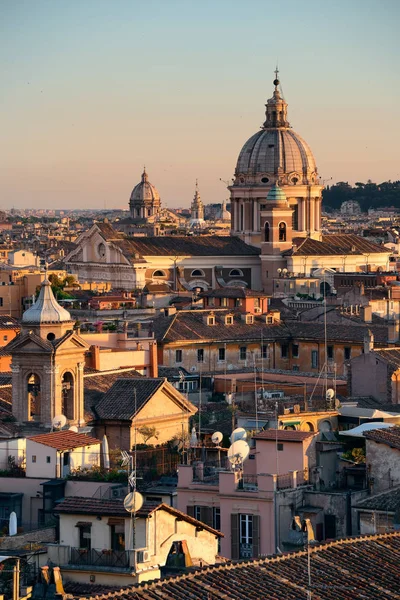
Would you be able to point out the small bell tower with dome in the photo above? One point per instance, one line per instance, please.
(276, 228)
(48, 358)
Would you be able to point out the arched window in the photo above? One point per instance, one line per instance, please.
(34, 397)
(67, 391)
(282, 232)
(197, 273)
(159, 273)
(236, 273)
(266, 232)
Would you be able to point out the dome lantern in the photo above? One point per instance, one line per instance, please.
(46, 309)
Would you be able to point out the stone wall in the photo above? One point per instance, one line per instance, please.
(15, 542)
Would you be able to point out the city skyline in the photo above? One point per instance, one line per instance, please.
(92, 93)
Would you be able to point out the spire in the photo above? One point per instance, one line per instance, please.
(276, 108)
(144, 175)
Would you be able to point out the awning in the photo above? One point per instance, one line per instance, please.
(83, 524)
(285, 423)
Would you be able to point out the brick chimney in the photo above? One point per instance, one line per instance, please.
(368, 342)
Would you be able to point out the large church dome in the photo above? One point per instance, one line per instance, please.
(276, 154)
(144, 191)
(145, 199)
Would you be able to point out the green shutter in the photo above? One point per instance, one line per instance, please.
(256, 536)
(234, 536)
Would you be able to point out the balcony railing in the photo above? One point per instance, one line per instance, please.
(284, 482)
(82, 557)
(248, 483)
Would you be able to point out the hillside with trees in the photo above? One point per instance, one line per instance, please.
(368, 195)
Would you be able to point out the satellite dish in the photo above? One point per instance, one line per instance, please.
(216, 437)
(133, 502)
(73, 428)
(238, 434)
(59, 421)
(238, 452)
(330, 394)
(337, 404)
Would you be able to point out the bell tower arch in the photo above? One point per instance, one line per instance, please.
(47, 367)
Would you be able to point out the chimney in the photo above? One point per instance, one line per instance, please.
(368, 342)
(393, 332)
(366, 314)
(153, 359)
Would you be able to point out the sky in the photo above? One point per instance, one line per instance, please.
(92, 90)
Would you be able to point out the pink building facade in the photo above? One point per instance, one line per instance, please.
(253, 508)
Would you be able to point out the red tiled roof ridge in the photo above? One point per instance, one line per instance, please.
(244, 563)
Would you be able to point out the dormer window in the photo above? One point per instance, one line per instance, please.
(229, 320)
(211, 320)
(269, 319)
(249, 319)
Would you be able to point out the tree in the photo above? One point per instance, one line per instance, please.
(148, 432)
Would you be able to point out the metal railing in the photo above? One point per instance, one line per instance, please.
(284, 482)
(248, 483)
(100, 558)
(303, 477)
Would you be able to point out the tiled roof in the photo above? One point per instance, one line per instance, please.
(7, 322)
(108, 232)
(119, 402)
(64, 440)
(190, 325)
(390, 437)
(390, 355)
(388, 501)
(97, 383)
(208, 245)
(94, 506)
(351, 569)
(233, 292)
(284, 435)
(336, 244)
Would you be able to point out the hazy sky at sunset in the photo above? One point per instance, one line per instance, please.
(93, 89)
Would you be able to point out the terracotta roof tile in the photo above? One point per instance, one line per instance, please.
(336, 244)
(388, 501)
(390, 437)
(64, 440)
(284, 435)
(350, 569)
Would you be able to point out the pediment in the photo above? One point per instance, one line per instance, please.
(73, 341)
(28, 343)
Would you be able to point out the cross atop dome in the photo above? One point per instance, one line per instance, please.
(276, 108)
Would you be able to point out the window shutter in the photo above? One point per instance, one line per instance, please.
(256, 536)
(190, 511)
(207, 515)
(235, 536)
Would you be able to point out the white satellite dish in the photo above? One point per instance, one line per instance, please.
(238, 452)
(216, 437)
(330, 393)
(59, 421)
(133, 502)
(73, 428)
(238, 434)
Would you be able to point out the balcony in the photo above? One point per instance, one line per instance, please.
(248, 483)
(83, 559)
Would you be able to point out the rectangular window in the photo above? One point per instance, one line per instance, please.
(178, 356)
(5, 337)
(264, 351)
(48, 459)
(242, 353)
(211, 320)
(246, 536)
(279, 446)
(314, 359)
(200, 355)
(118, 536)
(1, 301)
(197, 513)
(296, 368)
(329, 350)
(221, 354)
(229, 320)
(216, 518)
(347, 353)
(85, 536)
(33, 458)
(295, 350)
(284, 350)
